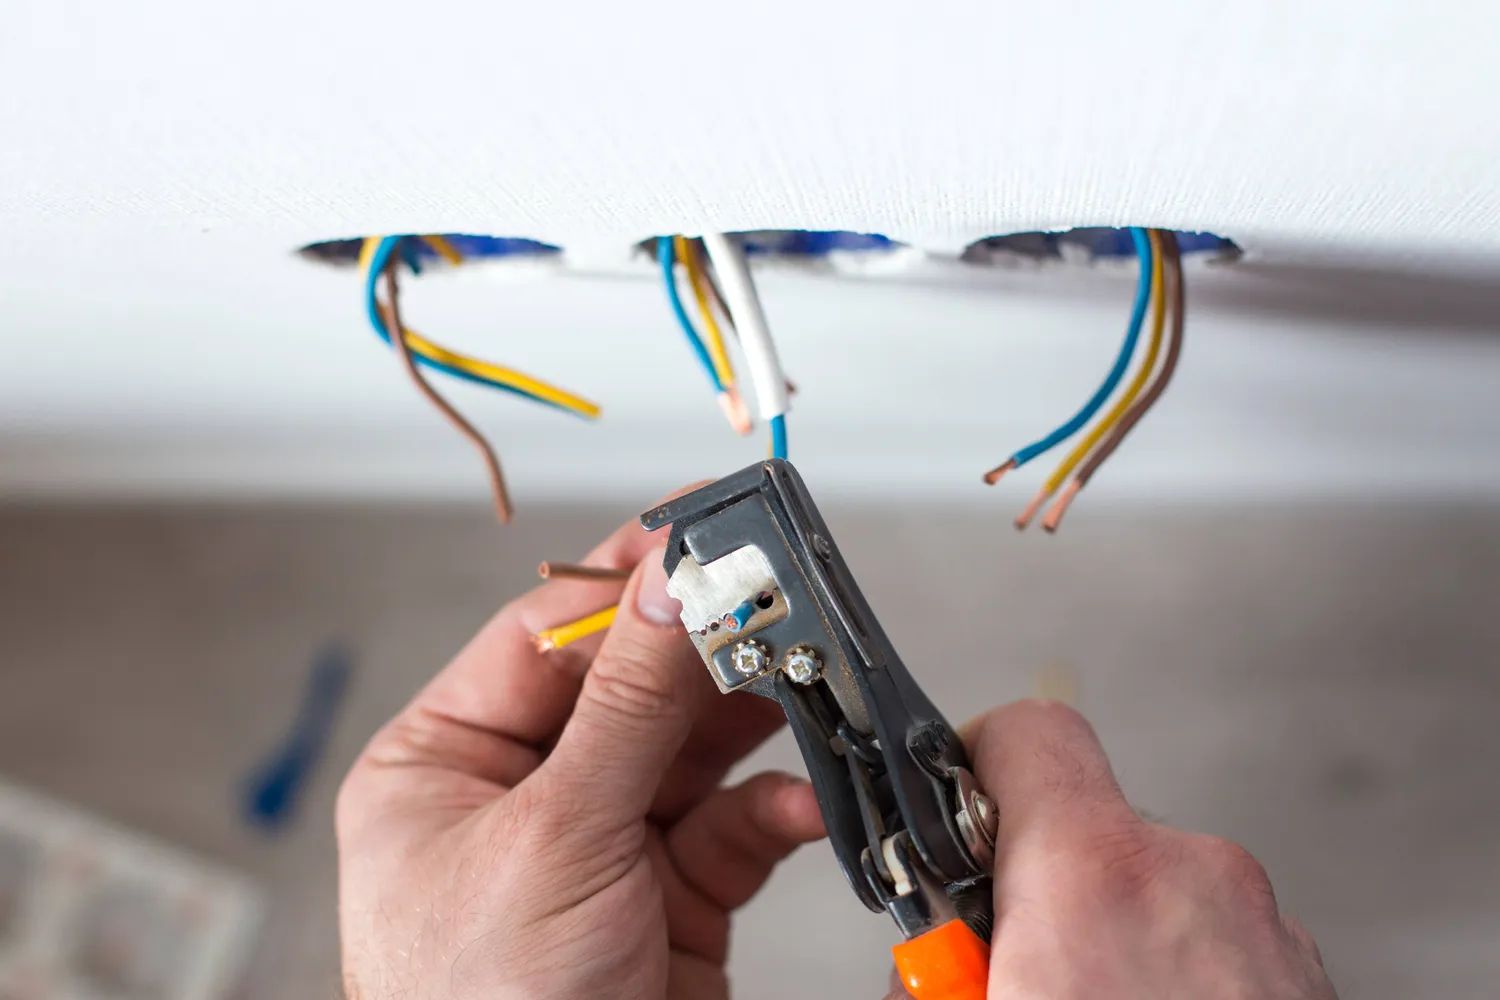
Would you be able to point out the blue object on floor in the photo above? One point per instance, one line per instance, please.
(272, 790)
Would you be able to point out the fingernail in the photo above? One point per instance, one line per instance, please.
(652, 599)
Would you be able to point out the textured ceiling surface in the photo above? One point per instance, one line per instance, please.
(584, 120)
(161, 158)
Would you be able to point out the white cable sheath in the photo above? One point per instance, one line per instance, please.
(750, 321)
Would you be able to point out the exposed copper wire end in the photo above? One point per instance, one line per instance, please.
(735, 410)
(391, 312)
(543, 643)
(993, 476)
(574, 571)
(1055, 515)
(1036, 504)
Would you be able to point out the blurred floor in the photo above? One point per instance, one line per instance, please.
(1318, 683)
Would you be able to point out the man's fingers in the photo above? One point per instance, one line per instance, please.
(727, 729)
(636, 708)
(1043, 766)
(727, 847)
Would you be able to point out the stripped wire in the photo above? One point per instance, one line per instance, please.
(561, 635)
(1176, 296)
(770, 383)
(666, 256)
(1143, 373)
(730, 401)
(1112, 379)
(392, 314)
(375, 254)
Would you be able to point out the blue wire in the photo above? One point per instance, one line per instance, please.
(778, 436)
(1137, 316)
(387, 246)
(668, 258)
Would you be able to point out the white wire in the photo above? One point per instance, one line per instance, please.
(750, 321)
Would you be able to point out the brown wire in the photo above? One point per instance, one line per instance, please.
(392, 311)
(574, 571)
(1176, 296)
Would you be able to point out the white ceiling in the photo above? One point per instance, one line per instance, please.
(160, 159)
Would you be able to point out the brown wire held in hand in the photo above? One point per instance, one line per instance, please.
(576, 571)
(391, 311)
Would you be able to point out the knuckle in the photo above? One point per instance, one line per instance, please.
(1235, 868)
(632, 681)
(1126, 861)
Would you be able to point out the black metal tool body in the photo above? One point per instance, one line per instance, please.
(774, 610)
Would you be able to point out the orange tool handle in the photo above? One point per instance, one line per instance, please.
(946, 963)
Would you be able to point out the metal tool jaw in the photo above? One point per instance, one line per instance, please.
(773, 609)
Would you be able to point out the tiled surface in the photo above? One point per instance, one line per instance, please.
(1321, 684)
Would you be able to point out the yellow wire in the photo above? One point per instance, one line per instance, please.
(443, 248)
(480, 368)
(720, 357)
(561, 635)
(509, 376)
(1158, 322)
(367, 252)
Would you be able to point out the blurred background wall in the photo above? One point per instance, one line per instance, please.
(1315, 680)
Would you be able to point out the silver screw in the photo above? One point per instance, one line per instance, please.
(802, 665)
(749, 657)
(984, 811)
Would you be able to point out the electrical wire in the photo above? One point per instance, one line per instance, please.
(735, 410)
(666, 256)
(714, 342)
(575, 571)
(561, 635)
(749, 319)
(1176, 296)
(431, 355)
(443, 248)
(1112, 379)
(392, 311)
(1143, 373)
(778, 436)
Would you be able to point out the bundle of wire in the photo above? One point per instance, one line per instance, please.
(383, 256)
(1160, 284)
(727, 293)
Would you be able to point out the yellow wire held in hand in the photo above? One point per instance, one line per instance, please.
(561, 635)
(1137, 383)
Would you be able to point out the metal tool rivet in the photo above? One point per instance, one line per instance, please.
(749, 657)
(821, 547)
(802, 665)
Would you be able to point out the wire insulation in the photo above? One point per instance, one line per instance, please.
(1143, 374)
(688, 254)
(450, 362)
(1176, 301)
(561, 635)
(501, 495)
(778, 436)
(1111, 380)
(666, 256)
(443, 248)
(576, 571)
(749, 319)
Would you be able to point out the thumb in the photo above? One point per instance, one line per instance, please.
(637, 704)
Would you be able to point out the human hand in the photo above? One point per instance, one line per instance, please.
(1093, 901)
(552, 825)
